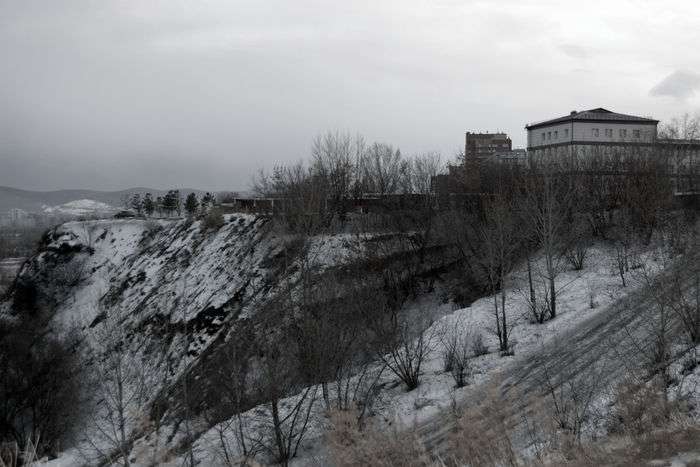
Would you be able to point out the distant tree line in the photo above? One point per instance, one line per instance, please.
(171, 204)
(343, 167)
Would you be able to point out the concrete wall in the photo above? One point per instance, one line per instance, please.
(554, 134)
(584, 131)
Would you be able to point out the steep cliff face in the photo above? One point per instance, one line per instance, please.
(145, 274)
(172, 293)
(164, 290)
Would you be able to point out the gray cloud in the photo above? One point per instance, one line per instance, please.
(679, 84)
(574, 51)
(110, 94)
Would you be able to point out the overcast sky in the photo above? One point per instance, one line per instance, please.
(110, 94)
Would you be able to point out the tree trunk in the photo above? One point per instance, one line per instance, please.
(552, 298)
(281, 448)
(533, 302)
(326, 397)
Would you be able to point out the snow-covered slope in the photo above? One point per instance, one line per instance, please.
(80, 207)
(172, 292)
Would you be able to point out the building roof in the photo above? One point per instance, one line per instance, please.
(594, 115)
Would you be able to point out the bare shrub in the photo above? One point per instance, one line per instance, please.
(684, 298)
(351, 447)
(457, 343)
(538, 311)
(639, 408)
(571, 398)
(576, 255)
(405, 351)
(448, 359)
(478, 346)
(654, 429)
(577, 245)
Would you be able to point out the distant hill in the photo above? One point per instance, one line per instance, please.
(34, 201)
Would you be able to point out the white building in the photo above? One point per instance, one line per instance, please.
(567, 139)
(602, 139)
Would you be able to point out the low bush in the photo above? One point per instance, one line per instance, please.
(478, 346)
(214, 220)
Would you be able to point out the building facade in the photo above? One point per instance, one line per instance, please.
(602, 140)
(576, 137)
(478, 146)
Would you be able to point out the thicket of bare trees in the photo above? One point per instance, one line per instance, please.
(122, 392)
(343, 168)
(685, 126)
(38, 390)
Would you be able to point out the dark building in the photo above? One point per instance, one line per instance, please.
(479, 146)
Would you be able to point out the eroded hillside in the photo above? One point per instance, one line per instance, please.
(173, 295)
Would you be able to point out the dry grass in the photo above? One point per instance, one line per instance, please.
(351, 447)
(12, 456)
(483, 433)
(643, 427)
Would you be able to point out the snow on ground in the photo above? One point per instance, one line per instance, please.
(598, 283)
(80, 207)
(113, 241)
(436, 391)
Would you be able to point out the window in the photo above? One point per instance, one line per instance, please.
(608, 132)
(549, 135)
(596, 132)
(556, 135)
(543, 138)
(636, 133)
(566, 132)
(623, 133)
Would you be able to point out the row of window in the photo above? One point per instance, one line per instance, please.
(594, 131)
(548, 135)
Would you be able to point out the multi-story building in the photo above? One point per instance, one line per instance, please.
(606, 138)
(478, 146)
(568, 139)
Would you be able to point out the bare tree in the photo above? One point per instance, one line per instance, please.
(685, 126)
(500, 244)
(333, 156)
(424, 167)
(623, 239)
(119, 378)
(546, 209)
(382, 169)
